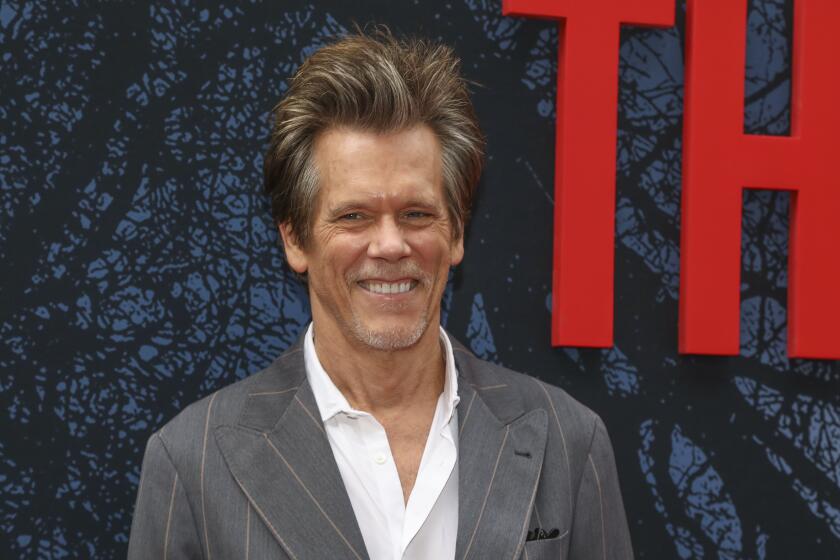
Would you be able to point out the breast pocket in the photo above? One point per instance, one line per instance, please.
(546, 549)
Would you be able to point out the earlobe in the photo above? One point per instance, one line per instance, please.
(295, 255)
(457, 251)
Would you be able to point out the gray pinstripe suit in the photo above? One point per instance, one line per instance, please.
(248, 473)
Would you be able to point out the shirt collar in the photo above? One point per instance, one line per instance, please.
(331, 401)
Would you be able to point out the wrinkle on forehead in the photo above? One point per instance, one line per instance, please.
(379, 165)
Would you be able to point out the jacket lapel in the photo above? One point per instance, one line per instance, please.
(281, 459)
(500, 454)
(279, 455)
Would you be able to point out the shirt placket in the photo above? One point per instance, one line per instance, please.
(436, 465)
(382, 480)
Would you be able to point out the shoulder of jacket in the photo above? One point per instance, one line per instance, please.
(196, 421)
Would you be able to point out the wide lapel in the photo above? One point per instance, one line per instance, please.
(287, 471)
(500, 456)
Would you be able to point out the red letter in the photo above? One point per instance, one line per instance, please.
(719, 160)
(584, 180)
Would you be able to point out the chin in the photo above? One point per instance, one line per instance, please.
(389, 338)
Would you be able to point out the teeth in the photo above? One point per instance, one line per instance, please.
(387, 287)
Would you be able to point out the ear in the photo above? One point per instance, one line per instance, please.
(457, 251)
(295, 255)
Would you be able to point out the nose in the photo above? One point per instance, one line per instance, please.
(388, 241)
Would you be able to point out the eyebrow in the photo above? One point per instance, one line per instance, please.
(345, 207)
(352, 205)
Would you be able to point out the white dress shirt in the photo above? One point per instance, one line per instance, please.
(425, 527)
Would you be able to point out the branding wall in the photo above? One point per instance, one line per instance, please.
(141, 270)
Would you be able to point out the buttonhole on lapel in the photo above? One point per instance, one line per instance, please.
(526, 454)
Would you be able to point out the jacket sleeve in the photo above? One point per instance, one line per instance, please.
(599, 527)
(163, 524)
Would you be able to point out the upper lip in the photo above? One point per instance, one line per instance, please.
(388, 281)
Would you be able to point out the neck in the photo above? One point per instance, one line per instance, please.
(382, 381)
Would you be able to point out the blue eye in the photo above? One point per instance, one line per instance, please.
(352, 216)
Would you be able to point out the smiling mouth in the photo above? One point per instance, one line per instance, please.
(388, 288)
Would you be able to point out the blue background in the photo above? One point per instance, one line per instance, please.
(141, 270)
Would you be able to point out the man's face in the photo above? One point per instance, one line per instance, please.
(382, 241)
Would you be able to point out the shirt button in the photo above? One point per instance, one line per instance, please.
(380, 459)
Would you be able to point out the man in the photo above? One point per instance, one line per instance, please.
(377, 435)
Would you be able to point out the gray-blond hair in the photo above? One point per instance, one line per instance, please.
(380, 83)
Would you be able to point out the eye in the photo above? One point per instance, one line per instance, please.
(416, 214)
(351, 216)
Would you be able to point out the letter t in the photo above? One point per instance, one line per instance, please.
(584, 177)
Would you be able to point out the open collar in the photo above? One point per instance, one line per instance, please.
(330, 400)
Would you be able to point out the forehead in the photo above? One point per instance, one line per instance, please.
(354, 163)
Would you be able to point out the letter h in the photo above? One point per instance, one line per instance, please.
(719, 161)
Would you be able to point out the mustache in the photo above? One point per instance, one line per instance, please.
(408, 269)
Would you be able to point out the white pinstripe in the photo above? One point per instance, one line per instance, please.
(562, 439)
(203, 457)
(303, 406)
(489, 387)
(266, 521)
(601, 504)
(467, 415)
(523, 531)
(169, 518)
(272, 392)
(247, 530)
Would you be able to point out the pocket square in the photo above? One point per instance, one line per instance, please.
(538, 534)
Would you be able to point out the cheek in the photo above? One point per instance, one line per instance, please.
(344, 257)
(434, 250)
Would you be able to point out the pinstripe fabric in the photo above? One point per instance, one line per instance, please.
(248, 473)
(600, 506)
(169, 517)
(315, 501)
(248, 532)
(559, 426)
(203, 460)
(487, 493)
(466, 415)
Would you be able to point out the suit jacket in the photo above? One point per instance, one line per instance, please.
(248, 473)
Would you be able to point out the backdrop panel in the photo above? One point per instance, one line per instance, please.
(141, 271)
